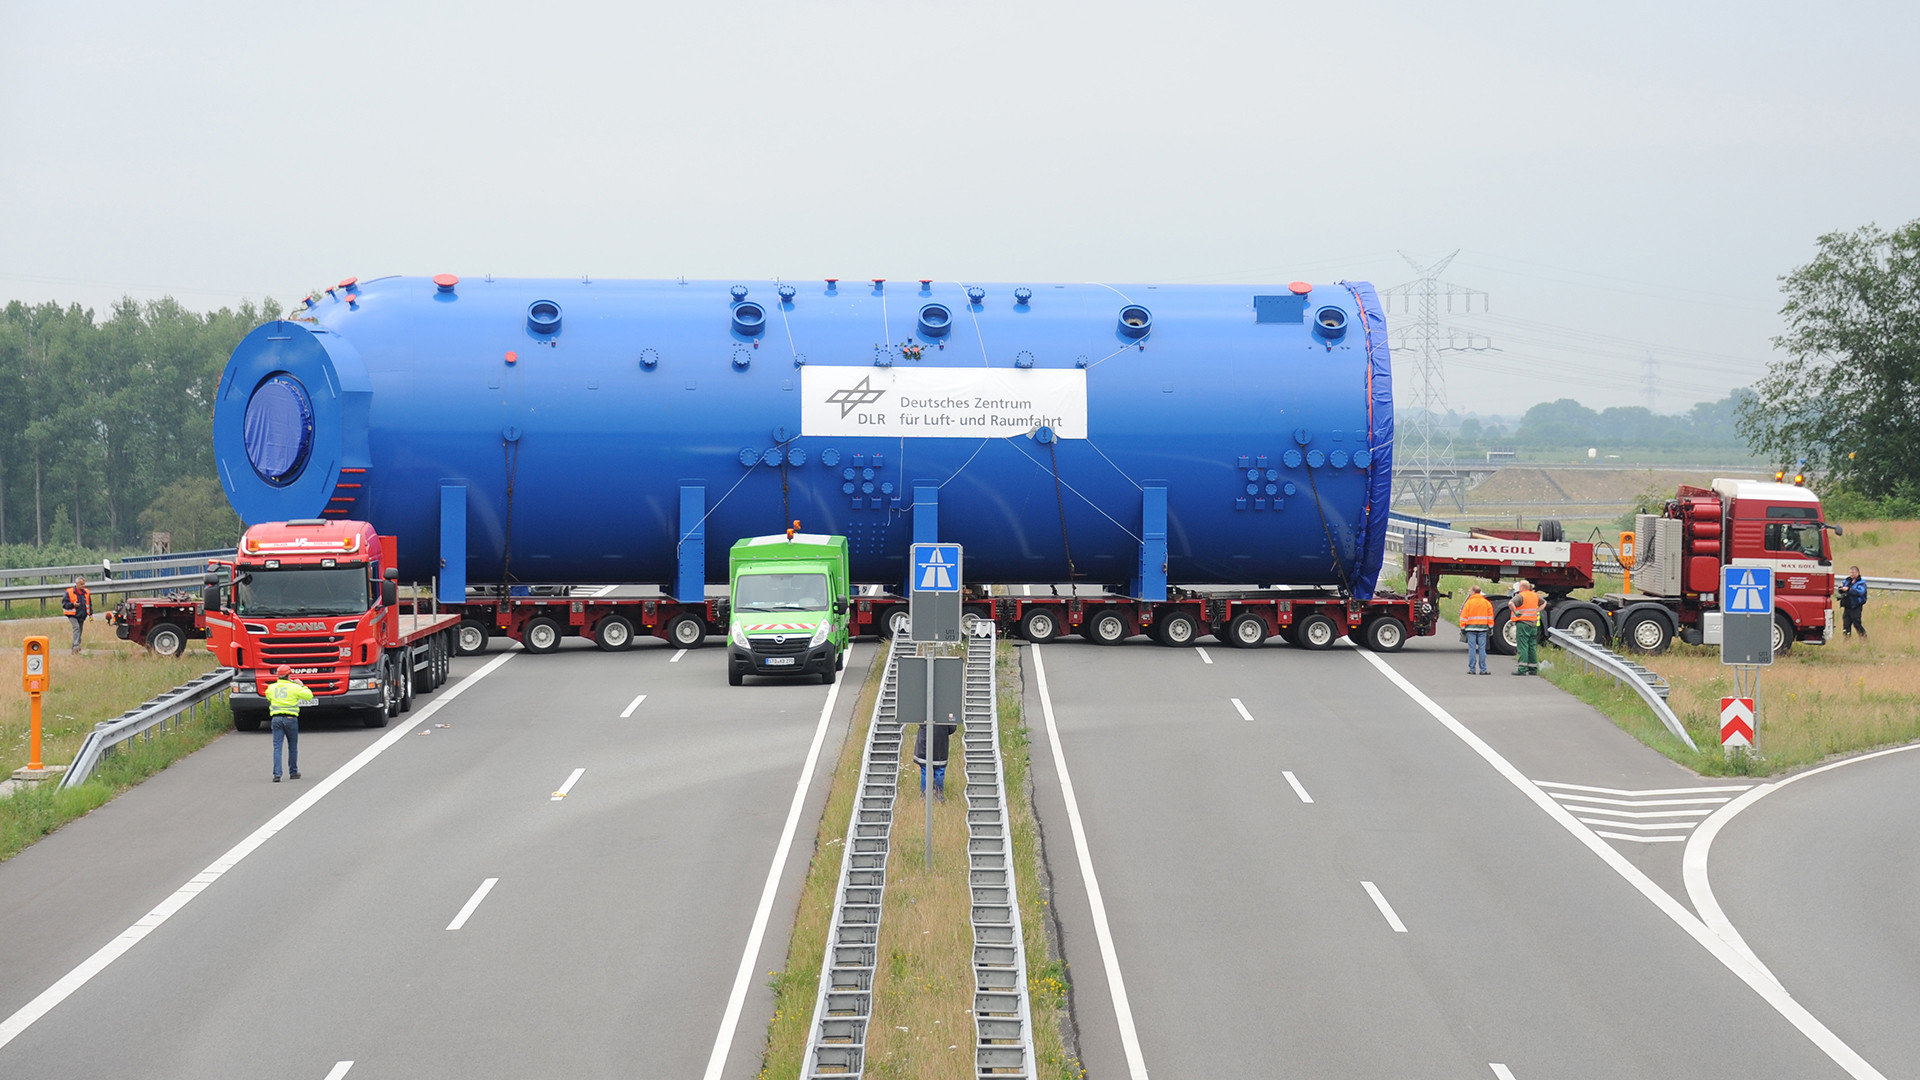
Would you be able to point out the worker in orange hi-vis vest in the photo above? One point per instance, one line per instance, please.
(1476, 622)
(1525, 605)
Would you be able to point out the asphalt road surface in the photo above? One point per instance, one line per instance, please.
(443, 912)
(1304, 872)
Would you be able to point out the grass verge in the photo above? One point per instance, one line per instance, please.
(923, 995)
(33, 812)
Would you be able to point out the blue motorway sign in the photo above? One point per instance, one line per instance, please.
(936, 568)
(1746, 590)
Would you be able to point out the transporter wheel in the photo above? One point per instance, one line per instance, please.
(540, 635)
(686, 631)
(1177, 630)
(899, 622)
(613, 634)
(470, 637)
(245, 723)
(1583, 623)
(1504, 640)
(1040, 625)
(167, 639)
(1246, 631)
(1107, 628)
(1647, 632)
(1316, 631)
(1384, 634)
(1782, 634)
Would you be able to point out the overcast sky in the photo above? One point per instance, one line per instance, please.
(1618, 179)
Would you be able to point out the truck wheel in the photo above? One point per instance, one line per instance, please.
(686, 631)
(1316, 631)
(470, 637)
(899, 622)
(1552, 532)
(1583, 623)
(1503, 642)
(1246, 631)
(613, 634)
(1782, 634)
(1040, 625)
(540, 635)
(374, 717)
(1107, 628)
(1647, 632)
(1177, 630)
(389, 694)
(403, 680)
(1384, 634)
(167, 639)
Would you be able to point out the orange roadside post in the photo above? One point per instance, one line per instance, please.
(1626, 561)
(36, 677)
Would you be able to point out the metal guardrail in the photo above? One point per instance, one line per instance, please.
(837, 1039)
(143, 719)
(1636, 676)
(1892, 584)
(133, 566)
(165, 583)
(1002, 1013)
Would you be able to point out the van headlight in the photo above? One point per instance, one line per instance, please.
(820, 633)
(739, 636)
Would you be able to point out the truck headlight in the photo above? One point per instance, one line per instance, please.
(739, 636)
(820, 633)
(363, 684)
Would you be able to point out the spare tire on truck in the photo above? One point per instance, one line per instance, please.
(1551, 531)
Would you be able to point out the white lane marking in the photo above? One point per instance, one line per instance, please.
(1640, 813)
(676, 656)
(1297, 789)
(1204, 658)
(1640, 839)
(1501, 1071)
(1578, 801)
(339, 1070)
(1693, 862)
(561, 792)
(1386, 909)
(1737, 960)
(1244, 714)
(743, 978)
(21, 1020)
(1122, 1008)
(1647, 826)
(634, 704)
(1650, 791)
(473, 901)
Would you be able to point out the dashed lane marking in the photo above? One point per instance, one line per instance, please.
(676, 656)
(561, 792)
(339, 1070)
(1501, 1071)
(1297, 789)
(1380, 901)
(634, 704)
(1242, 709)
(473, 902)
(1204, 658)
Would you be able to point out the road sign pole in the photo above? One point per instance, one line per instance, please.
(926, 775)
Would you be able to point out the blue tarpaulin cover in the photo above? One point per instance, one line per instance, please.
(1379, 439)
(279, 428)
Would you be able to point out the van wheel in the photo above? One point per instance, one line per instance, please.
(1177, 630)
(1247, 631)
(540, 635)
(1316, 631)
(686, 631)
(826, 677)
(613, 634)
(735, 678)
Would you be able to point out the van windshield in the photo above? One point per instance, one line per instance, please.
(780, 592)
(338, 590)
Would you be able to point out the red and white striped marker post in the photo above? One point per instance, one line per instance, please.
(1736, 723)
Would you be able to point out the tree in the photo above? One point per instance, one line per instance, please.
(1843, 396)
(195, 512)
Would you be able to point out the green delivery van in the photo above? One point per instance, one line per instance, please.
(788, 612)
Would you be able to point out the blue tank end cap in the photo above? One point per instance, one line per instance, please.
(278, 429)
(543, 317)
(1135, 322)
(935, 320)
(748, 319)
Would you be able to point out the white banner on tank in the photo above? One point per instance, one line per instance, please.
(903, 402)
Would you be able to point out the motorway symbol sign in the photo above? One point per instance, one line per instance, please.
(1736, 722)
(936, 567)
(1748, 590)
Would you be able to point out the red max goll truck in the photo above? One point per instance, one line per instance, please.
(320, 597)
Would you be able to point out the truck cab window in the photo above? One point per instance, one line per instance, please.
(1795, 538)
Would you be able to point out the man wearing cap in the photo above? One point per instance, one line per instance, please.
(284, 699)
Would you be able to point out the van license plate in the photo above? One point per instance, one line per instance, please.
(779, 661)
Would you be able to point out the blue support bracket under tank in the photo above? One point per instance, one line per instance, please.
(453, 544)
(1151, 584)
(690, 583)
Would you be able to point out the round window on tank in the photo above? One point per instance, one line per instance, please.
(278, 429)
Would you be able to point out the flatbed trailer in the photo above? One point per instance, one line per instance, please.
(162, 624)
(541, 622)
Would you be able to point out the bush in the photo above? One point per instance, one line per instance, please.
(1843, 504)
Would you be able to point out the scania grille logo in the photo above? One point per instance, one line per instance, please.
(855, 396)
(299, 627)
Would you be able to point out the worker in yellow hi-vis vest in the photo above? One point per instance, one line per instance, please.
(284, 699)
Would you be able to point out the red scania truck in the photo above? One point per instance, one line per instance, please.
(322, 598)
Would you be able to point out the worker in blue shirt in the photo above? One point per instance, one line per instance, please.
(1853, 597)
(284, 699)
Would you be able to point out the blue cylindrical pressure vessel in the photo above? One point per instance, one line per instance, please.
(1101, 433)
